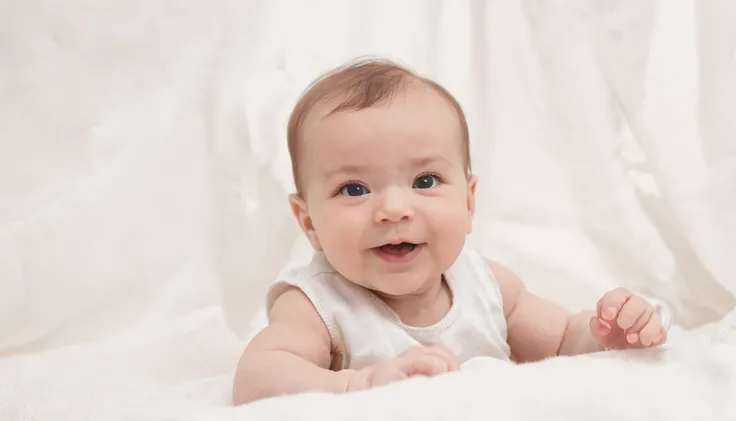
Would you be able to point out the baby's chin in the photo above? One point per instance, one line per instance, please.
(398, 285)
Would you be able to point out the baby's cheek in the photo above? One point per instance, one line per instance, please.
(450, 232)
(448, 221)
(341, 238)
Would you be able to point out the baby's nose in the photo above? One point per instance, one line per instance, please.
(394, 207)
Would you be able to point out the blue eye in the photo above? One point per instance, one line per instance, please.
(427, 181)
(353, 190)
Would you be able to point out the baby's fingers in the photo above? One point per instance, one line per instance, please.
(424, 364)
(598, 327)
(653, 333)
(611, 304)
(447, 355)
(634, 315)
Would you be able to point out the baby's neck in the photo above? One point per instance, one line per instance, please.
(423, 308)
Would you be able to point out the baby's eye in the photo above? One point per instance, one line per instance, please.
(427, 181)
(353, 190)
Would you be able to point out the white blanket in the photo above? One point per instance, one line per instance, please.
(143, 176)
(184, 373)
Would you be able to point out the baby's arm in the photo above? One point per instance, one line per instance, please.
(537, 328)
(291, 355)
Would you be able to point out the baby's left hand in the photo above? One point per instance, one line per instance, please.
(624, 320)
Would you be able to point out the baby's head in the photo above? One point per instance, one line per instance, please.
(381, 163)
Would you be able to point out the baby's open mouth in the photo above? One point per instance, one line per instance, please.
(401, 248)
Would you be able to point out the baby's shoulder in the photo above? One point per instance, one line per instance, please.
(319, 282)
(496, 276)
(510, 286)
(491, 268)
(310, 271)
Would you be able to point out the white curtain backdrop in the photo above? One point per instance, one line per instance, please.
(144, 169)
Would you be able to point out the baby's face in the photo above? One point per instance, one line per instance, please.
(387, 192)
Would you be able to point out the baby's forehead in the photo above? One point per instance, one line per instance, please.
(418, 105)
(407, 133)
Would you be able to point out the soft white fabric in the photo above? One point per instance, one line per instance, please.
(134, 378)
(365, 331)
(143, 174)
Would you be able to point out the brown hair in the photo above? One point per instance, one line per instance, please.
(362, 84)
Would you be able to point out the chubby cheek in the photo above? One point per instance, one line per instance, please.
(340, 233)
(448, 230)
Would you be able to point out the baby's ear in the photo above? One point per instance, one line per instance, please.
(472, 183)
(301, 213)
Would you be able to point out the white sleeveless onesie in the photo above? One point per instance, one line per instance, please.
(365, 331)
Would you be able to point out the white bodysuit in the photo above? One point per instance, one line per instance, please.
(365, 331)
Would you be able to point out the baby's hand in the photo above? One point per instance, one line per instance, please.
(625, 320)
(416, 361)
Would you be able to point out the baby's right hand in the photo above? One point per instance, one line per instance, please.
(416, 361)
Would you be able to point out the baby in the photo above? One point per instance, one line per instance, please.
(386, 197)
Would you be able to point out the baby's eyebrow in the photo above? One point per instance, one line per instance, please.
(348, 169)
(427, 160)
(343, 170)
